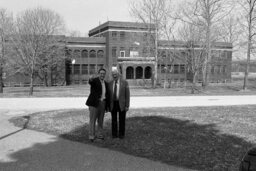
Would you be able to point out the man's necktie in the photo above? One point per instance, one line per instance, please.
(115, 91)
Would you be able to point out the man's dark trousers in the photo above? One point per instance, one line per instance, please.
(122, 115)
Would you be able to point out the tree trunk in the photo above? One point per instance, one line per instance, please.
(247, 69)
(1, 79)
(156, 60)
(248, 49)
(45, 80)
(31, 84)
(31, 87)
(208, 47)
(51, 77)
(193, 84)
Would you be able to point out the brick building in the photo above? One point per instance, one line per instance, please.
(130, 46)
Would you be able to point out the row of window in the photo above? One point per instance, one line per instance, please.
(180, 69)
(132, 52)
(121, 35)
(218, 69)
(175, 69)
(137, 73)
(182, 54)
(86, 69)
(85, 53)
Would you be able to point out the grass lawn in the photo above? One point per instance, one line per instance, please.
(200, 138)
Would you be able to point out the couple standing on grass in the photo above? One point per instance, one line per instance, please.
(114, 97)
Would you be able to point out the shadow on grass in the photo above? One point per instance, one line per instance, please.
(174, 142)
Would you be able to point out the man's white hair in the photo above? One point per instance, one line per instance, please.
(115, 69)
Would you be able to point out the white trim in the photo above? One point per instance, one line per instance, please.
(76, 46)
(126, 30)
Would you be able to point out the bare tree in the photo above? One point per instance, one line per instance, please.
(50, 60)
(152, 12)
(74, 33)
(194, 51)
(206, 14)
(34, 38)
(249, 25)
(6, 23)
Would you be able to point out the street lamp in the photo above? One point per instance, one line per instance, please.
(73, 70)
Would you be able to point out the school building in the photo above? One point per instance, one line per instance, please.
(131, 47)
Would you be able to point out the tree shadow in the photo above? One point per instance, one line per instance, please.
(174, 142)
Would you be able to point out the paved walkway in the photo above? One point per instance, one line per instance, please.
(31, 150)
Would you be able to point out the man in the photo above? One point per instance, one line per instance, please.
(98, 103)
(119, 103)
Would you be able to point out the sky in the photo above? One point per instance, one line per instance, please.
(78, 15)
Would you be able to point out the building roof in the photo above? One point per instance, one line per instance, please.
(120, 25)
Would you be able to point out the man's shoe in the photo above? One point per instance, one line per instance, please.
(91, 138)
(121, 137)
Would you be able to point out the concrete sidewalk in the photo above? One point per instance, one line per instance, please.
(39, 104)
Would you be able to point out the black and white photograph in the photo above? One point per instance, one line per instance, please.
(127, 85)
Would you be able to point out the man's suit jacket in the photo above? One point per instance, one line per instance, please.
(124, 94)
(96, 92)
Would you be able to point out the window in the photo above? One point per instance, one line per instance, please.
(169, 68)
(114, 35)
(92, 69)
(145, 37)
(162, 69)
(84, 69)
(215, 54)
(148, 72)
(224, 70)
(122, 53)
(122, 35)
(100, 54)
(176, 69)
(99, 66)
(92, 54)
(134, 53)
(114, 51)
(139, 73)
(76, 54)
(84, 54)
(223, 54)
(76, 69)
(129, 73)
(219, 69)
(68, 52)
(212, 70)
(182, 69)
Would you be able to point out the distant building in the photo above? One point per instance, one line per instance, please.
(240, 66)
(130, 47)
